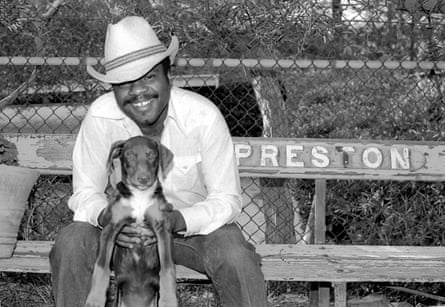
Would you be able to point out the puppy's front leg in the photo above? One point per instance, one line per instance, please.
(155, 217)
(167, 274)
(101, 274)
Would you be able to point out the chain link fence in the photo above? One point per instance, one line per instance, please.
(323, 69)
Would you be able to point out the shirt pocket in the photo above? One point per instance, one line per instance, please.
(186, 172)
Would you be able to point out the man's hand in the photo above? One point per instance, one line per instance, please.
(171, 220)
(132, 235)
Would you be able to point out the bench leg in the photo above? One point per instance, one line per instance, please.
(340, 295)
(320, 294)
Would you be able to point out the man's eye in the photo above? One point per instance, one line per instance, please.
(149, 77)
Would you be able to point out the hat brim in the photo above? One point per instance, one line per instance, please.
(136, 69)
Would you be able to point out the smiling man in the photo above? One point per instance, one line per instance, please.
(203, 184)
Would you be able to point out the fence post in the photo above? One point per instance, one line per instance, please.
(320, 292)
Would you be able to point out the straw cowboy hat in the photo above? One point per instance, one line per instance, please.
(131, 50)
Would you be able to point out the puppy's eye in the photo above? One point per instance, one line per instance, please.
(130, 157)
(151, 156)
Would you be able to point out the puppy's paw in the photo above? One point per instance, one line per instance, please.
(169, 302)
(95, 302)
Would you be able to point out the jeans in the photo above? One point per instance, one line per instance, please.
(229, 261)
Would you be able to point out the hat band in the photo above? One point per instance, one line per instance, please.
(134, 56)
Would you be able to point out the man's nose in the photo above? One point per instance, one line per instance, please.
(138, 87)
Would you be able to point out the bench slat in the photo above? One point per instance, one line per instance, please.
(332, 263)
(279, 158)
(32, 257)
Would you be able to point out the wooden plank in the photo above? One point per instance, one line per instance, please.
(277, 157)
(278, 211)
(323, 289)
(32, 256)
(341, 159)
(336, 263)
(323, 294)
(44, 151)
(320, 211)
(340, 294)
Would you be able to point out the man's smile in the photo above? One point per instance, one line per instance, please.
(142, 103)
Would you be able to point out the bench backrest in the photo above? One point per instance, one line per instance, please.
(279, 157)
(269, 213)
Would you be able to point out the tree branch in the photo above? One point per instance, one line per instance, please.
(52, 9)
(15, 93)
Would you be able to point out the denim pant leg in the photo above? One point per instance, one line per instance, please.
(230, 262)
(72, 262)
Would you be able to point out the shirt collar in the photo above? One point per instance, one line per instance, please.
(176, 111)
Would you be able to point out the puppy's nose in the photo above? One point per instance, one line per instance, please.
(143, 179)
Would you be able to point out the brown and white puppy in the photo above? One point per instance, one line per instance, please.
(145, 275)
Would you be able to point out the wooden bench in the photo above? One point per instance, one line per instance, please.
(316, 159)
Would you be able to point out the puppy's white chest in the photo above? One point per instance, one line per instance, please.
(139, 202)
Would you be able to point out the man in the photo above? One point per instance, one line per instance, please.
(203, 185)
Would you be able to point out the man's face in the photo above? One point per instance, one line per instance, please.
(145, 100)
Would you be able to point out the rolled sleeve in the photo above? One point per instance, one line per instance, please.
(89, 173)
(223, 202)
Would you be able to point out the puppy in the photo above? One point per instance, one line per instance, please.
(145, 275)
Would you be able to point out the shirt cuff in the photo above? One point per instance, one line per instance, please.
(191, 218)
(90, 214)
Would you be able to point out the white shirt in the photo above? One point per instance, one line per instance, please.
(203, 183)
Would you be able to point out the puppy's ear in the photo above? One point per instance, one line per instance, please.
(165, 160)
(114, 169)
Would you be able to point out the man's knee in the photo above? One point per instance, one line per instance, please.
(77, 240)
(230, 248)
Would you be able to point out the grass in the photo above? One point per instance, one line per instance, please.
(27, 289)
(20, 290)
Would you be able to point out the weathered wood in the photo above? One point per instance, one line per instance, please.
(323, 295)
(341, 159)
(264, 157)
(48, 153)
(331, 263)
(278, 212)
(340, 295)
(320, 211)
(32, 256)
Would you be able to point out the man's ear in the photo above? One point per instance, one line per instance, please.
(165, 160)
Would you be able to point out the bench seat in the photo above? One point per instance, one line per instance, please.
(281, 262)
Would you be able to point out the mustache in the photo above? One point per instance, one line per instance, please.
(138, 98)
